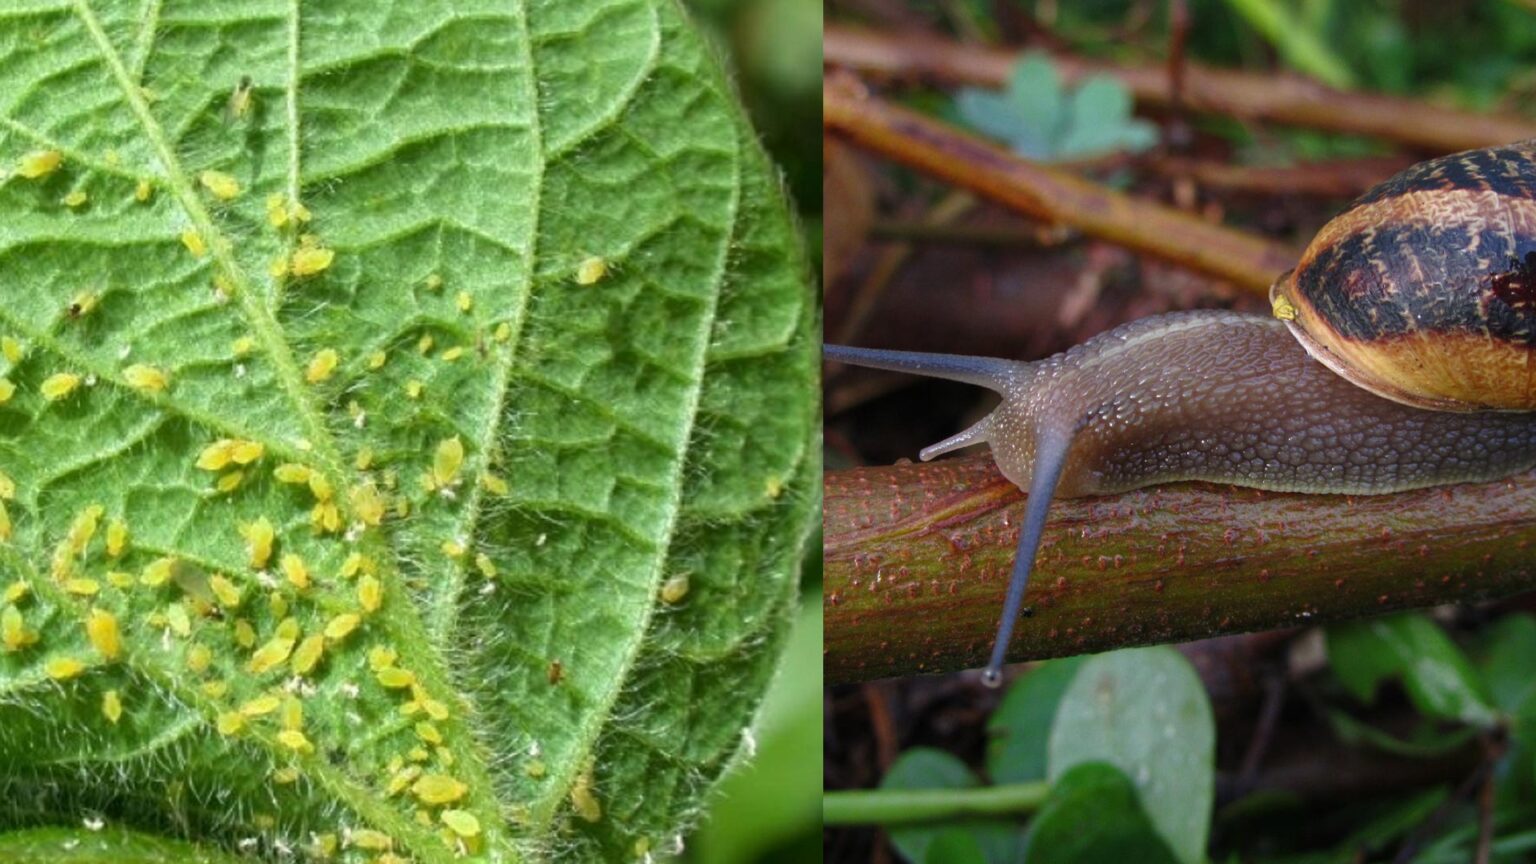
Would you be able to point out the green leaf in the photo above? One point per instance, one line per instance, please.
(1040, 120)
(574, 349)
(925, 768)
(1439, 679)
(955, 846)
(1019, 729)
(1507, 668)
(1093, 816)
(101, 845)
(1145, 712)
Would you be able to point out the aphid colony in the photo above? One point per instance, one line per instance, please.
(203, 610)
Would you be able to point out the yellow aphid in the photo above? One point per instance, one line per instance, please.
(296, 571)
(452, 354)
(438, 789)
(265, 704)
(293, 739)
(368, 503)
(428, 733)
(117, 538)
(289, 472)
(355, 563)
(230, 723)
(199, 658)
(214, 689)
(77, 198)
(59, 385)
(434, 282)
(453, 548)
(17, 591)
(584, 799)
(293, 714)
(63, 668)
(299, 213)
(142, 191)
(339, 627)
(157, 572)
(486, 566)
(371, 840)
(82, 587)
(11, 349)
(246, 452)
(591, 269)
(39, 163)
(402, 777)
(223, 186)
(320, 487)
(277, 210)
(325, 517)
(493, 483)
(396, 678)
(7, 487)
(284, 776)
(216, 455)
(503, 332)
(675, 589)
(5, 523)
(82, 304)
(176, 617)
(112, 706)
(278, 269)
(245, 634)
(258, 541)
(377, 359)
(364, 459)
(370, 594)
(307, 655)
(447, 461)
(425, 343)
(101, 628)
(464, 301)
(230, 482)
(382, 657)
(435, 709)
(535, 769)
(413, 388)
(7, 390)
(461, 822)
(225, 590)
(243, 346)
(321, 365)
(288, 628)
(84, 528)
(14, 632)
(274, 652)
(309, 260)
(119, 579)
(194, 242)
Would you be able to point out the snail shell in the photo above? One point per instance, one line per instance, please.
(1424, 290)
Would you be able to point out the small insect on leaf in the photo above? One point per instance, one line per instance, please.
(370, 594)
(223, 186)
(225, 590)
(7, 390)
(293, 739)
(39, 163)
(371, 840)
(368, 503)
(11, 349)
(14, 632)
(258, 541)
(273, 652)
(461, 822)
(321, 365)
(75, 199)
(584, 798)
(59, 385)
(246, 452)
(447, 461)
(240, 99)
(308, 654)
(309, 260)
(147, 378)
(296, 571)
(230, 723)
(82, 305)
(142, 191)
(157, 572)
(342, 625)
(194, 243)
(590, 270)
(395, 678)
(464, 301)
(112, 706)
(438, 789)
(63, 668)
(101, 628)
(675, 589)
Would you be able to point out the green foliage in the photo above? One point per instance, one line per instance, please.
(1437, 675)
(1019, 729)
(464, 175)
(1040, 119)
(999, 840)
(1094, 816)
(1297, 39)
(1145, 711)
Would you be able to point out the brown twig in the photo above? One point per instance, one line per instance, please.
(1278, 98)
(1047, 193)
(1343, 178)
(917, 557)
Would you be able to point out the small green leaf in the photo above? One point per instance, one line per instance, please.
(102, 845)
(1093, 816)
(1508, 666)
(1040, 120)
(1018, 731)
(925, 768)
(955, 846)
(1145, 712)
(1437, 675)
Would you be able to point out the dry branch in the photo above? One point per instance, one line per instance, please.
(1279, 98)
(917, 558)
(1048, 193)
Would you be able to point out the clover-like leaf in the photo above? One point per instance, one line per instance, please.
(405, 429)
(1040, 119)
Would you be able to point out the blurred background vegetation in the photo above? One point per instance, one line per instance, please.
(1409, 738)
(769, 810)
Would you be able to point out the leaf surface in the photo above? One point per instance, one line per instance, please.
(559, 466)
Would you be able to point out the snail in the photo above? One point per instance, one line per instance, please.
(1401, 354)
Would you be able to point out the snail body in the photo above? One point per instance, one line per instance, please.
(1240, 398)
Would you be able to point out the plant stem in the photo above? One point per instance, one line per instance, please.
(903, 806)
